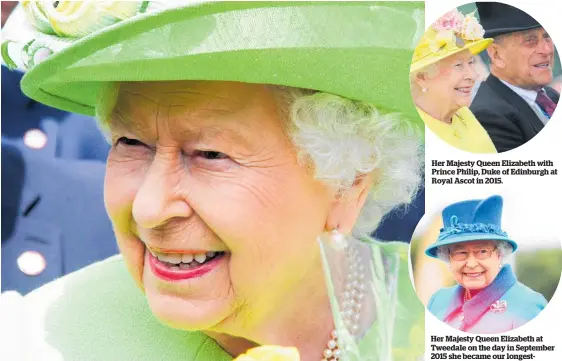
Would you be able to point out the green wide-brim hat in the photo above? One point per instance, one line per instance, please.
(358, 50)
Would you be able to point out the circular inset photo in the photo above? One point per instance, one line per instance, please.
(477, 276)
(485, 77)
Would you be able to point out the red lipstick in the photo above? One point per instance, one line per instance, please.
(164, 272)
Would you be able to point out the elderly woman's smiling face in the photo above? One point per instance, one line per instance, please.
(474, 264)
(449, 82)
(205, 171)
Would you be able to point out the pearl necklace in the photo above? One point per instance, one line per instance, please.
(351, 306)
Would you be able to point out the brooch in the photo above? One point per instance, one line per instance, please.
(499, 306)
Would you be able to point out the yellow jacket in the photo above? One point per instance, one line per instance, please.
(465, 132)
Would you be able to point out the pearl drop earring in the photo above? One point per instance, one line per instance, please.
(424, 90)
(339, 240)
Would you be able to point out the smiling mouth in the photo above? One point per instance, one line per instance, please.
(542, 66)
(186, 260)
(473, 275)
(464, 90)
(178, 266)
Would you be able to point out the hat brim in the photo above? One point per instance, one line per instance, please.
(501, 31)
(475, 48)
(431, 251)
(310, 45)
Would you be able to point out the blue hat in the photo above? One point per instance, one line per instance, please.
(472, 220)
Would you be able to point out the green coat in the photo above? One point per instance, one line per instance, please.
(99, 314)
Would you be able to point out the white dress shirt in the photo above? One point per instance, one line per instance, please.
(529, 96)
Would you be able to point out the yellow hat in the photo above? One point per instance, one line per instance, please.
(450, 34)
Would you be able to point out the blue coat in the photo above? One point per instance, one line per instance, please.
(54, 207)
(52, 203)
(69, 136)
(400, 223)
(502, 306)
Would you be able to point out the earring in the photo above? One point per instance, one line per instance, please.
(424, 90)
(339, 240)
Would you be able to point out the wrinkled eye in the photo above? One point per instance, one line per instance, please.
(483, 252)
(130, 149)
(211, 160)
(210, 154)
(128, 141)
(531, 41)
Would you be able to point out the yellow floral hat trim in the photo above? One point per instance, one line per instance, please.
(56, 25)
(270, 353)
(75, 19)
(450, 34)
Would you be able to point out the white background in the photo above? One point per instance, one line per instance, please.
(532, 212)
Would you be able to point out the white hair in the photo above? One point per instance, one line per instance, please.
(342, 140)
(504, 251)
(430, 71)
(347, 139)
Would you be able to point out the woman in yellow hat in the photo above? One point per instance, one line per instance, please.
(442, 77)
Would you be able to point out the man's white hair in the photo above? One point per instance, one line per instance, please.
(342, 140)
(504, 251)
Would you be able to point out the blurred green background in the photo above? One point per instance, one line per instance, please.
(539, 270)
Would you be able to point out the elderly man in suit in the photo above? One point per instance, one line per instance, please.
(514, 103)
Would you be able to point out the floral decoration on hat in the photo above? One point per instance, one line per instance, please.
(58, 24)
(456, 28)
(75, 19)
(457, 228)
(450, 34)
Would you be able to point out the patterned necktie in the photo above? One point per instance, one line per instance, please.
(546, 104)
